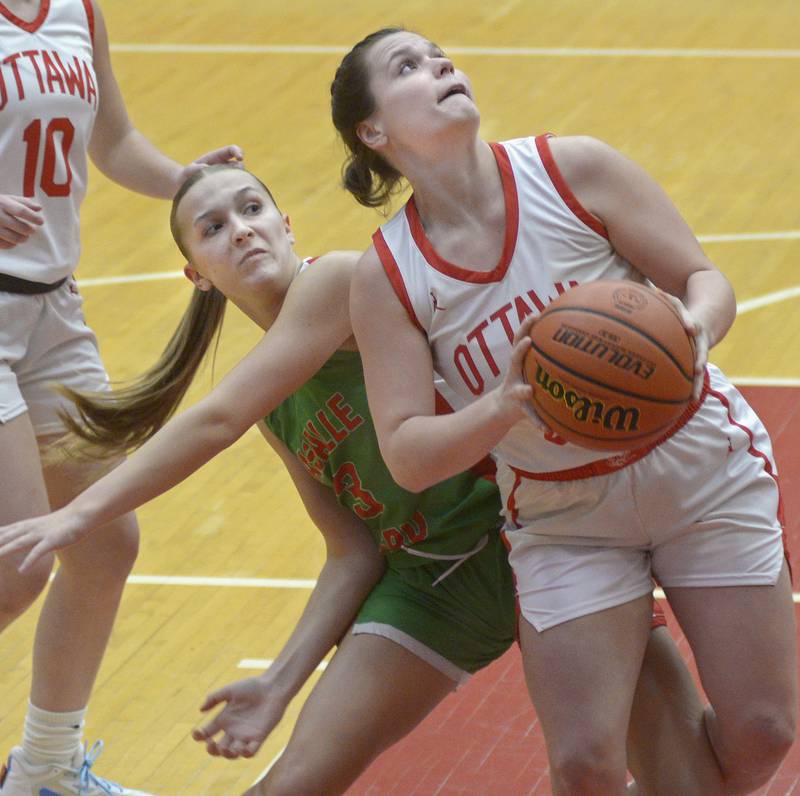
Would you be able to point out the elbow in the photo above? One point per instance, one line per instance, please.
(221, 426)
(410, 475)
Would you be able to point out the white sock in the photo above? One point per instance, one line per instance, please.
(51, 737)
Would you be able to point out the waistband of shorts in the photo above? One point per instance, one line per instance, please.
(620, 460)
(15, 284)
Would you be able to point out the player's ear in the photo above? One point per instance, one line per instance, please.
(200, 282)
(370, 133)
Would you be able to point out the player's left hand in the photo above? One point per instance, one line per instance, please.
(699, 336)
(252, 709)
(227, 154)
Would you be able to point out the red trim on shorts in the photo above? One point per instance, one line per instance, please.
(602, 466)
(87, 4)
(395, 277)
(509, 242)
(29, 27)
(564, 191)
(753, 451)
(659, 617)
(621, 460)
(517, 607)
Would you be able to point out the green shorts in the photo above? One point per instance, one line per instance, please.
(458, 626)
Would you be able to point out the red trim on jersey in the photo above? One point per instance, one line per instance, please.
(613, 463)
(30, 27)
(509, 241)
(395, 277)
(753, 451)
(564, 190)
(87, 4)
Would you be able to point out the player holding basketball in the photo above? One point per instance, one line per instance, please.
(58, 101)
(492, 233)
(437, 603)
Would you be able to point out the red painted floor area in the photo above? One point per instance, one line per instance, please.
(485, 739)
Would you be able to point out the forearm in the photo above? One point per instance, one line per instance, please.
(189, 441)
(343, 585)
(710, 299)
(425, 450)
(135, 163)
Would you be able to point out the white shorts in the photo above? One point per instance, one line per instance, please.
(44, 340)
(701, 509)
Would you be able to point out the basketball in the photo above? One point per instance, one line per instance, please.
(611, 365)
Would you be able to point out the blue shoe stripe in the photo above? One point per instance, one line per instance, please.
(48, 792)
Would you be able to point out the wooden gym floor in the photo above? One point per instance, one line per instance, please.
(702, 94)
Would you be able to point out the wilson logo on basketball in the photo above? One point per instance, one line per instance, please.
(586, 410)
(601, 349)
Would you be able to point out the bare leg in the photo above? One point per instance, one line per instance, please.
(668, 749)
(22, 495)
(744, 643)
(373, 693)
(82, 602)
(581, 676)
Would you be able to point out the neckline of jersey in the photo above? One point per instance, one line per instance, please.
(435, 260)
(34, 24)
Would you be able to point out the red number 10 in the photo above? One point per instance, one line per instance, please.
(32, 137)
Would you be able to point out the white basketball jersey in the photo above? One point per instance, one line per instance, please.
(48, 103)
(551, 244)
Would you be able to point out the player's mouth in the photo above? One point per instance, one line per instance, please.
(453, 91)
(252, 253)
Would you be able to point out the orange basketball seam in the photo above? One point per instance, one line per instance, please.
(610, 387)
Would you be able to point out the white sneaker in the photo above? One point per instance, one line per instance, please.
(18, 778)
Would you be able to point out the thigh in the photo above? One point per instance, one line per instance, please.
(744, 643)
(22, 495)
(372, 693)
(582, 675)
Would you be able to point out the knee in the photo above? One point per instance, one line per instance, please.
(763, 740)
(591, 770)
(17, 591)
(105, 558)
(768, 735)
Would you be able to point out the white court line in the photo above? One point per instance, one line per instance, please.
(789, 234)
(122, 280)
(247, 583)
(763, 381)
(265, 663)
(503, 52)
(250, 583)
(767, 299)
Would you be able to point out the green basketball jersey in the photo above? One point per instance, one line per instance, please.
(327, 424)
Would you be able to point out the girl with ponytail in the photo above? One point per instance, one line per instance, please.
(416, 590)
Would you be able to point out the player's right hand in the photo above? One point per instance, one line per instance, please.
(252, 709)
(19, 219)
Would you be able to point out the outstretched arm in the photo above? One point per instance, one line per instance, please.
(420, 447)
(312, 324)
(253, 706)
(119, 150)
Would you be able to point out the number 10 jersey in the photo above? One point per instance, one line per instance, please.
(48, 104)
